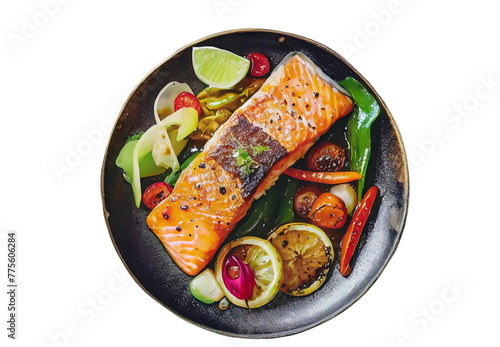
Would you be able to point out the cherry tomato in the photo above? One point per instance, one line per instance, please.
(186, 99)
(325, 156)
(260, 64)
(328, 211)
(304, 200)
(155, 194)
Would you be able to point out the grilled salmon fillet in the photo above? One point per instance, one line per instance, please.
(275, 127)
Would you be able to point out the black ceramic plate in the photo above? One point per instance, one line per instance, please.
(151, 266)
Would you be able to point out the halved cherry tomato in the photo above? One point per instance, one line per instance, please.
(325, 156)
(304, 199)
(186, 99)
(155, 194)
(260, 64)
(328, 211)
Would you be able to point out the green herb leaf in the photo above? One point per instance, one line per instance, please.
(243, 160)
(240, 161)
(134, 137)
(259, 149)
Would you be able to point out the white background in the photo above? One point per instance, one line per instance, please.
(427, 60)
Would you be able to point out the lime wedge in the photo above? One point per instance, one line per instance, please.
(219, 68)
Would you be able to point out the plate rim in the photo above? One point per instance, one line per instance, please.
(406, 185)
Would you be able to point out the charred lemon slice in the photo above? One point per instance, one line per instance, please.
(265, 265)
(307, 255)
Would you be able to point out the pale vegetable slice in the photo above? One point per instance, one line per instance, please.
(164, 103)
(163, 152)
(187, 120)
(347, 194)
(205, 287)
(178, 146)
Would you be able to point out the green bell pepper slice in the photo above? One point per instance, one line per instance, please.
(363, 115)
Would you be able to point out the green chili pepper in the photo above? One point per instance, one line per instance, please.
(174, 176)
(220, 104)
(364, 113)
(285, 209)
(269, 211)
(259, 222)
(248, 225)
(215, 103)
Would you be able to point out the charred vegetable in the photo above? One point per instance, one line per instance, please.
(328, 211)
(304, 199)
(325, 156)
(307, 255)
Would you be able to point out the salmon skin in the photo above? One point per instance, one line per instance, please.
(275, 127)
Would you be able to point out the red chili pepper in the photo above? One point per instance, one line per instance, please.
(351, 237)
(323, 177)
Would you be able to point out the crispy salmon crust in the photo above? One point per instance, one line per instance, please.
(295, 106)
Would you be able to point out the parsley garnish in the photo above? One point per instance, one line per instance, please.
(243, 159)
(259, 149)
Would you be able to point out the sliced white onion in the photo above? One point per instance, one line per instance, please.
(163, 152)
(164, 103)
(347, 194)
